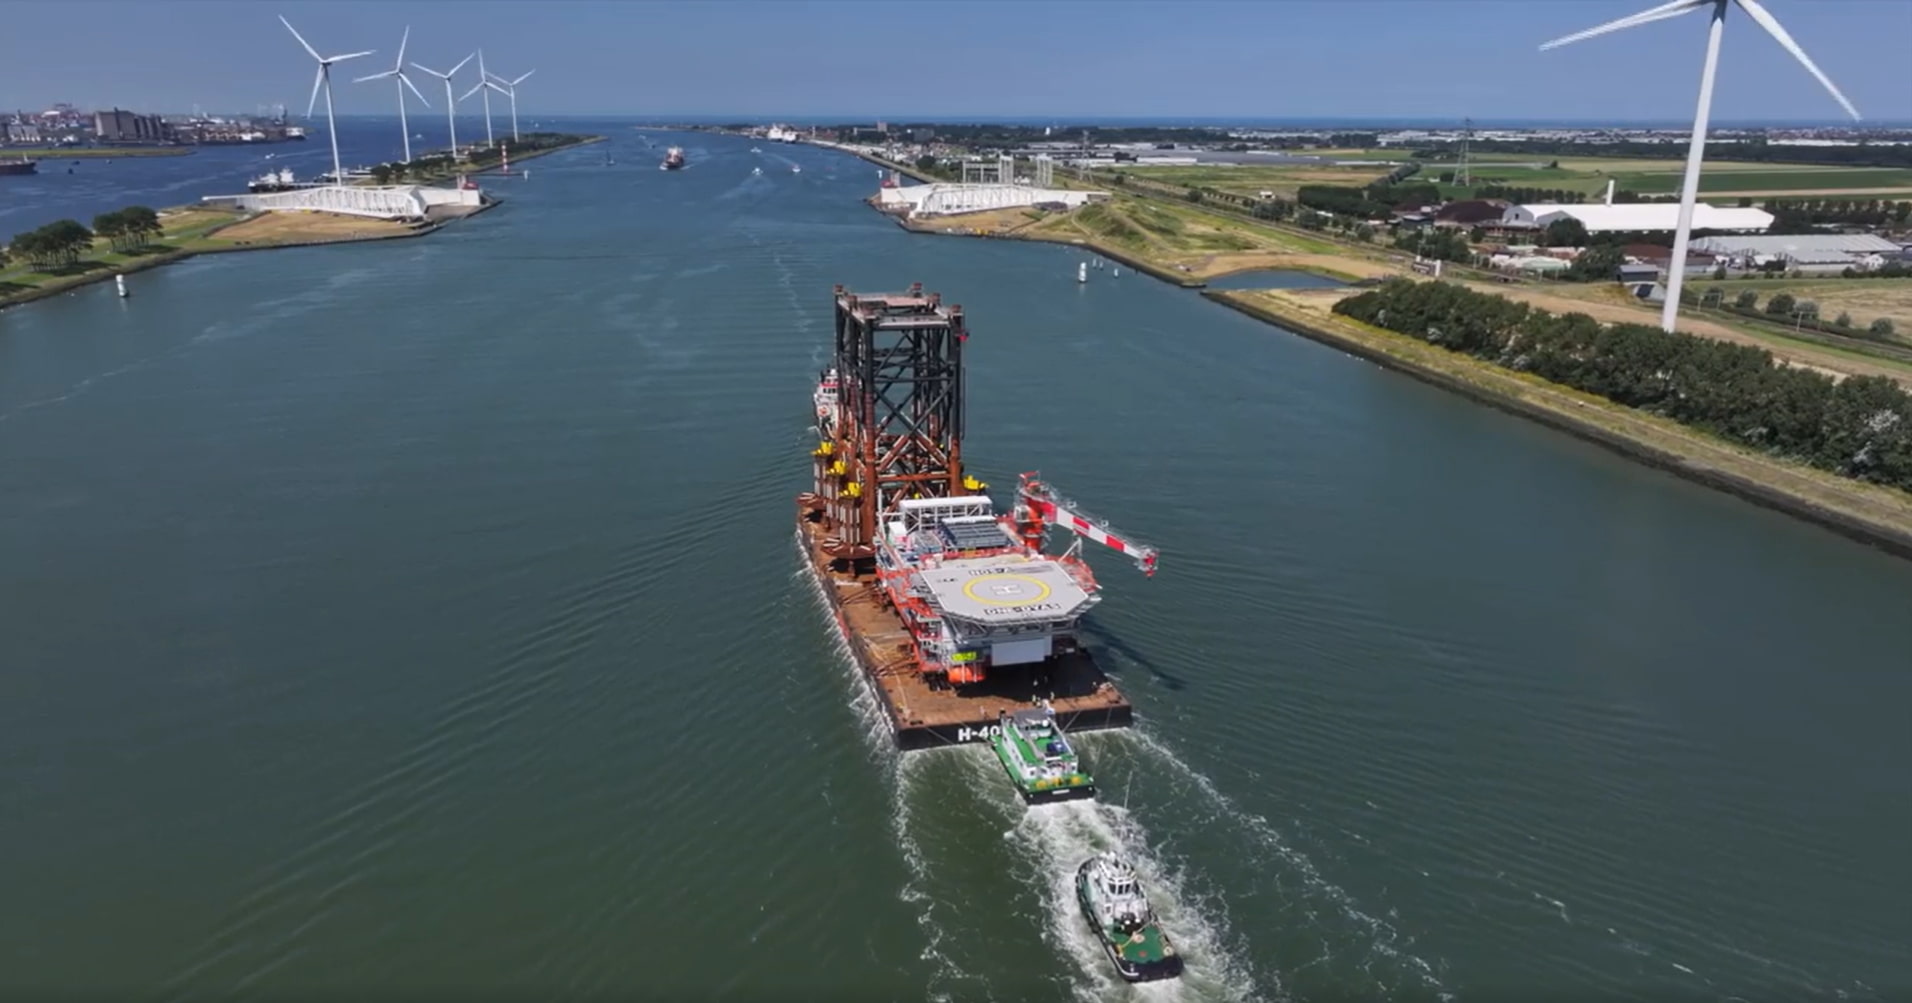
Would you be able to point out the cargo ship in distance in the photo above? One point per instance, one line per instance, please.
(954, 614)
(673, 159)
(18, 165)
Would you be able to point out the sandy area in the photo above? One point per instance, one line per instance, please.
(1208, 266)
(291, 227)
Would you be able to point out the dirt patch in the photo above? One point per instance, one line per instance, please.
(299, 227)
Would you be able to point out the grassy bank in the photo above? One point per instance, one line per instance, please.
(192, 231)
(1876, 515)
(1183, 244)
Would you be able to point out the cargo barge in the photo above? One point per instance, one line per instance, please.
(952, 611)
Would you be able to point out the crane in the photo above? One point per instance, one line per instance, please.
(1038, 505)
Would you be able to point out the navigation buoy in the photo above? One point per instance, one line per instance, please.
(1082, 272)
(119, 283)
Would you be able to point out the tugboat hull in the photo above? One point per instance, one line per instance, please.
(1161, 961)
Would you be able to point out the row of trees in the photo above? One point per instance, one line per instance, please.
(1860, 427)
(55, 245)
(1850, 212)
(1888, 154)
(61, 243)
(129, 228)
(1786, 308)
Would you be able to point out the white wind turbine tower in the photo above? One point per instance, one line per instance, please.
(484, 84)
(451, 103)
(324, 77)
(1689, 191)
(398, 70)
(511, 91)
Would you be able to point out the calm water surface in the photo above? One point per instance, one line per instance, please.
(425, 616)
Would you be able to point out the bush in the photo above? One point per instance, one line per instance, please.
(1858, 427)
(1881, 327)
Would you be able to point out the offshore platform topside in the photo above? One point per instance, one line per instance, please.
(951, 609)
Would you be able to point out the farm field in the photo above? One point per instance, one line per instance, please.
(1589, 175)
(1865, 299)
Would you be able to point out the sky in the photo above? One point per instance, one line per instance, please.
(895, 59)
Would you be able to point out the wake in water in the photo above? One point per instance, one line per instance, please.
(1047, 843)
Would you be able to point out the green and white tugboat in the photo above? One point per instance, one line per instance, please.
(1038, 758)
(1118, 912)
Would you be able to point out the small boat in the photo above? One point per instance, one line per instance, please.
(1038, 758)
(755, 150)
(1112, 902)
(794, 169)
(673, 159)
(756, 170)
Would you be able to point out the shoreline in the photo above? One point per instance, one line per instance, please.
(140, 264)
(1694, 457)
(143, 263)
(1866, 513)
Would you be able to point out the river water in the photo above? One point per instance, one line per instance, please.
(425, 616)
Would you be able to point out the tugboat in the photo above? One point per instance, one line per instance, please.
(1038, 759)
(673, 160)
(1113, 903)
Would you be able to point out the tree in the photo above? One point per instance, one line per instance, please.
(112, 226)
(1719, 271)
(1566, 232)
(1780, 305)
(139, 224)
(1881, 328)
(382, 174)
(3, 257)
(1746, 300)
(1843, 320)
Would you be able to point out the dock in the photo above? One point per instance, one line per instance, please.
(923, 716)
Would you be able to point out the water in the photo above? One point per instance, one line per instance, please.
(81, 188)
(426, 616)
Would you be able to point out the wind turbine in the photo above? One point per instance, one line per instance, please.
(484, 84)
(451, 103)
(511, 91)
(324, 77)
(1689, 191)
(398, 70)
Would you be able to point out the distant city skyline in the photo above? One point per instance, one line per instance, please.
(1393, 61)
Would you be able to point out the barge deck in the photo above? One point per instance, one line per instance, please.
(923, 716)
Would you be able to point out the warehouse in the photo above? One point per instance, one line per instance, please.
(1654, 217)
(1813, 254)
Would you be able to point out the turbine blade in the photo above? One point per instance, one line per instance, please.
(522, 79)
(480, 86)
(402, 39)
(375, 76)
(460, 66)
(1771, 24)
(493, 84)
(301, 38)
(407, 81)
(431, 71)
(1660, 13)
(317, 79)
(350, 55)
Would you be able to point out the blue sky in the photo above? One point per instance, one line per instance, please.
(898, 58)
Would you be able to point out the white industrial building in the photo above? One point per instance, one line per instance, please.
(943, 198)
(1639, 218)
(405, 202)
(1813, 253)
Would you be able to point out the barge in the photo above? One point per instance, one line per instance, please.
(952, 611)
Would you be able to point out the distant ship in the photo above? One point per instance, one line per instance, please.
(273, 181)
(673, 159)
(19, 165)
